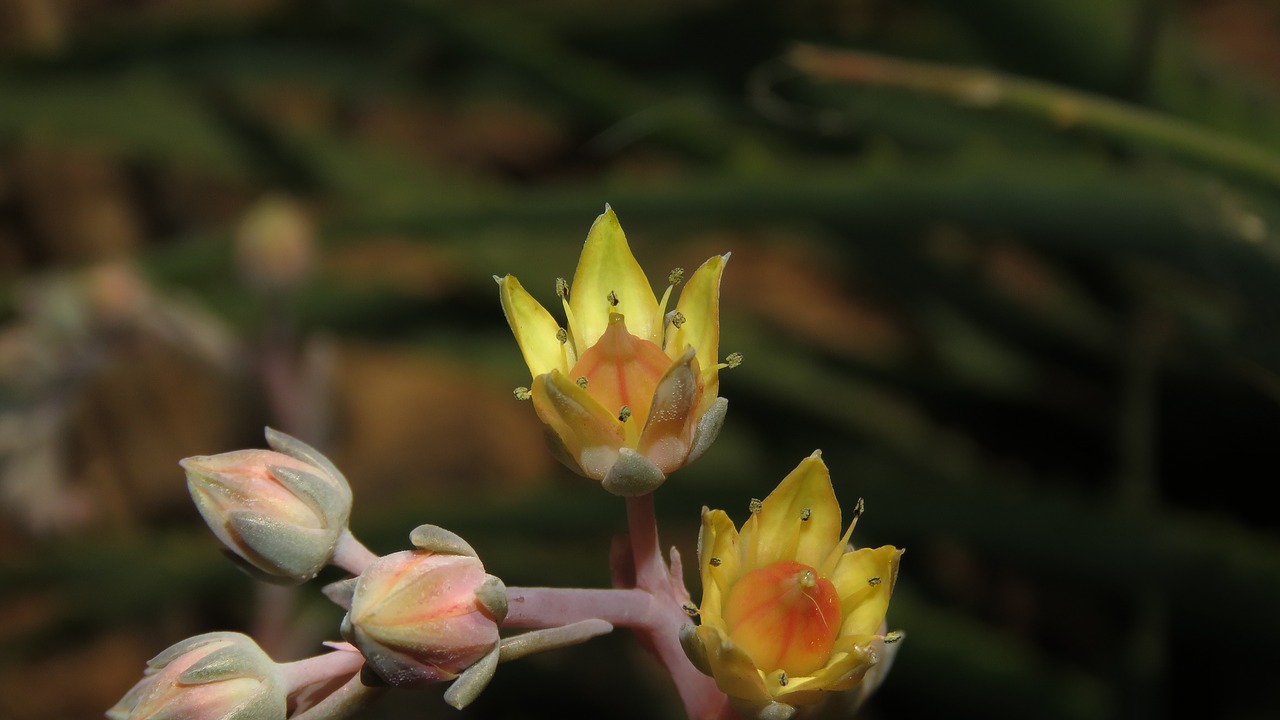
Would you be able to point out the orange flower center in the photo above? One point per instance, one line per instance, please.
(784, 616)
(622, 369)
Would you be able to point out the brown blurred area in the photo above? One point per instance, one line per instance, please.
(265, 215)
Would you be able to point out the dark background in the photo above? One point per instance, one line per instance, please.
(1030, 317)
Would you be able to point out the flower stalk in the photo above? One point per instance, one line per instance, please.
(669, 612)
(628, 393)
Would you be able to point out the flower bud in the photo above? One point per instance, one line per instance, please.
(219, 675)
(425, 615)
(281, 512)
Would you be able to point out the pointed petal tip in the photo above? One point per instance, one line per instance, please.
(500, 278)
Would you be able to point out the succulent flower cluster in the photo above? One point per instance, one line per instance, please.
(791, 613)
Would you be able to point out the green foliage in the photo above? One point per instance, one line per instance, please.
(1071, 421)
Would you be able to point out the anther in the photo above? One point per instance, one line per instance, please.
(892, 637)
(522, 393)
(782, 679)
(714, 562)
(582, 382)
(857, 511)
(873, 581)
(677, 318)
(612, 297)
(562, 288)
(805, 514)
(676, 276)
(733, 360)
(624, 414)
(562, 335)
(689, 609)
(755, 506)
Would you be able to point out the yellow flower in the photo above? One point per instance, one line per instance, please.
(790, 612)
(627, 391)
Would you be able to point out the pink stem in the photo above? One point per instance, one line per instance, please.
(552, 607)
(351, 555)
(642, 523)
(702, 699)
(344, 702)
(320, 669)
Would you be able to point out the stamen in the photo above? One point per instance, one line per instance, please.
(689, 609)
(676, 276)
(562, 335)
(612, 297)
(805, 514)
(806, 578)
(714, 562)
(624, 414)
(677, 319)
(782, 679)
(522, 393)
(873, 581)
(755, 506)
(733, 360)
(857, 512)
(562, 288)
(582, 382)
(892, 637)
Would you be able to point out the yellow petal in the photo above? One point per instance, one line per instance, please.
(607, 266)
(843, 672)
(718, 560)
(591, 434)
(800, 520)
(864, 578)
(734, 672)
(668, 431)
(534, 328)
(700, 306)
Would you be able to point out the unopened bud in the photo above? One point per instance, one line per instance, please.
(207, 677)
(422, 616)
(280, 511)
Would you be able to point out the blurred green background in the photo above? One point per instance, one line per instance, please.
(1011, 265)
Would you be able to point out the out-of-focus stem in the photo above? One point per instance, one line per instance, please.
(1062, 106)
(351, 555)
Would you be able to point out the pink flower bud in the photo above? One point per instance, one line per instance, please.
(424, 616)
(281, 512)
(208, 677)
